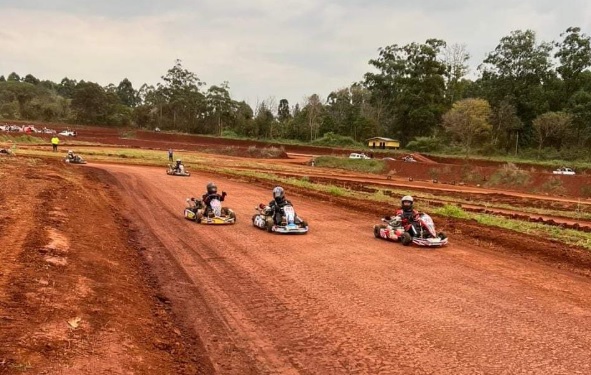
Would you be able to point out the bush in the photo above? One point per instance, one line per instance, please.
(553, 186)
(227, 133)
(334, 140)
(509, 175)
(425, 144)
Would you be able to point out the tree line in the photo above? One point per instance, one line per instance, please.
(528, 95)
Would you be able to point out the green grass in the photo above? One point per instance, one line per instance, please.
(21, 139)
(568, 236)
(358, 165)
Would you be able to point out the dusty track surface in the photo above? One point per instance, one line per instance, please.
(75, 297)
(338, 301)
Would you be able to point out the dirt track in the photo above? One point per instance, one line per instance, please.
(338, 301)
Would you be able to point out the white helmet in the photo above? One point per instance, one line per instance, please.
(407, 198)
(70, 152)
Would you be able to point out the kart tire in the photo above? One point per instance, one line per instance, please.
(406, 239)
(232, 215)
(441, 235)
(269, 228)
(304, 224)
(376, 231)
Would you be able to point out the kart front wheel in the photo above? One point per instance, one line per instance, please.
(406, 239)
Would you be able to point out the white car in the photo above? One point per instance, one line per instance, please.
(563, 170)
(67, 133)
(355, 155)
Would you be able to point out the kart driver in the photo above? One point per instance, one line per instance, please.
(276, 205)
(212, 193)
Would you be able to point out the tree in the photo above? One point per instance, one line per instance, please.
(283, 113)
(182, 96)
(574, 54)
(13, 77)
(550, 125)
(219, 104)
(313, 110)
(506, 125)
(91, 103)
(455, 58)
(67, 87)
(516, 72)
(411, 85)
(468, 121)
(126, 93)
(2, 79)
(29, 78)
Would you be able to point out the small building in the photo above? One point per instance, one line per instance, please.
(383, 143)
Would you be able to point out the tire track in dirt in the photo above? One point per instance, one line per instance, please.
(339, 301)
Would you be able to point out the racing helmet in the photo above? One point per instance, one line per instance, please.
(212, 188)
(178, 161)
(278, 194)
(70, 152)
(407, 202)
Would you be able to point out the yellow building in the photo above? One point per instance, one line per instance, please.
(383, 143)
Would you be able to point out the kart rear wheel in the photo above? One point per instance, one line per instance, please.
(304, 224)
(232, 215)
(442, 235)
(406, 239)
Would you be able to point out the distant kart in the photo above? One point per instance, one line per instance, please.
(177, 172)
(75, 160)
(290, 222)
(196, 211)
(423, 234)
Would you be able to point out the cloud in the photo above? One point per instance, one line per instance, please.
(262, 47)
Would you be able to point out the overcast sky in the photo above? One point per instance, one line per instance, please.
(264, 48)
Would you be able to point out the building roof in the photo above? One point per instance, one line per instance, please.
(382, 139)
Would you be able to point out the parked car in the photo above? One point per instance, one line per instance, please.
(67, 133)
(355, 155)
(564, 170)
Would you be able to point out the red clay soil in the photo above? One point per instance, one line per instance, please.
(338, 301)
(75, 295)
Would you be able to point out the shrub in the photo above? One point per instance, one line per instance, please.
(553, 186)
(425, 144)
(509, 175)
(331, 139)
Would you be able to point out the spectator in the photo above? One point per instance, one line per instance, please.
(54, 142)
(170, 155)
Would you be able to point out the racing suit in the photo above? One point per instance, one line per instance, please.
(207, 198)
(410, 218)
(276, 210)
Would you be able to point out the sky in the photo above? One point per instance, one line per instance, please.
(263, 48)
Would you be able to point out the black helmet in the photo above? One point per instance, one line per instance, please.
(406, 202)
(278, 194)
(212, 188)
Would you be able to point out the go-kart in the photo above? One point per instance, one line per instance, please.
(180, 171)
(421, 233)
(196, 211)
(290, 222)
(75, 160)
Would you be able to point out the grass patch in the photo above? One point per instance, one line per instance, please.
(21, 139)
(358, 165)
(568, 236)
